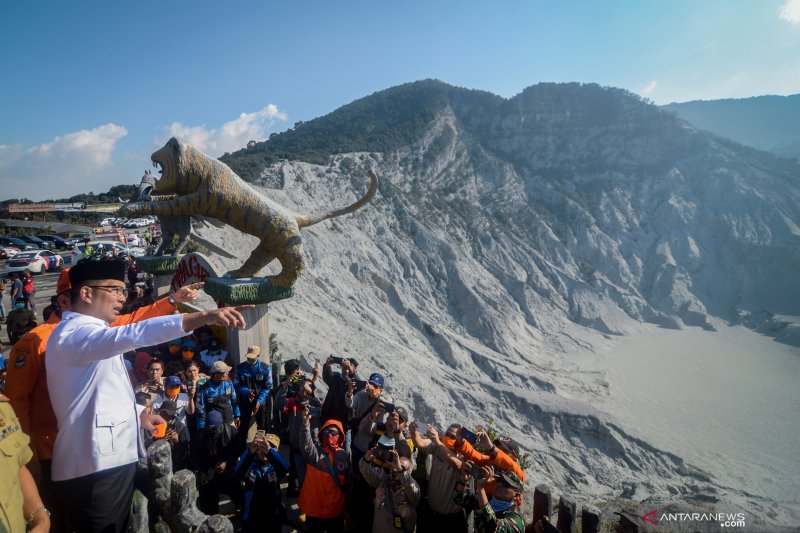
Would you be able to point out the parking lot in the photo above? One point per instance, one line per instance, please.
(45, 288)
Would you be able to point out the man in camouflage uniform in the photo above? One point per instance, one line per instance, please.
(498, 513)
(21, 507)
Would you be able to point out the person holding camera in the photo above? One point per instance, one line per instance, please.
(498, 513)
(396, 491)
(338, 383)
(253, 385)
(172, 392)
(173, 431)
(445, 466)
(261, 469)
(325, 491)
(215, 449)
(300, 396)
(501, 453)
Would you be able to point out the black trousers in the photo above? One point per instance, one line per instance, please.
(99, 502)
(52, 500)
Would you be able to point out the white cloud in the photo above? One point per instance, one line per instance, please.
(650, 88)
(790, 11)
(70, 164)
(232, 135)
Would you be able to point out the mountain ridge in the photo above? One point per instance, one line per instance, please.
(509, 246)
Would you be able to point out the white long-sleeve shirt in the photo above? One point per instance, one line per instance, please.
(91, 394)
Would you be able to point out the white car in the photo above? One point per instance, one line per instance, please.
(107, 221)
(37, 261)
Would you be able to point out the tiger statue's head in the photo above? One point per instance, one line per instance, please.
(183, 168)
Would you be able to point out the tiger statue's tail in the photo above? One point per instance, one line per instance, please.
(305, 221)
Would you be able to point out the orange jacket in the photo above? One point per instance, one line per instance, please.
(320, 497)
(501, 461)
(26, 383)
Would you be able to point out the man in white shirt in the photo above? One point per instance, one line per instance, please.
(95, 453)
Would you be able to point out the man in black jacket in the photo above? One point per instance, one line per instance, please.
(214, 453)
(334, 406)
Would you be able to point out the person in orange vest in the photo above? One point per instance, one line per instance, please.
(325, 490)
(27, 380)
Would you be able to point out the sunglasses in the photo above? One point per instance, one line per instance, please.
(330, 431)
(189, 350)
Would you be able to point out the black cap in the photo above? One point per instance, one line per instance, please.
(96, 270)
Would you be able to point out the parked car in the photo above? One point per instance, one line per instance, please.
(58, 242)
(110, 221)
(16, 243)
(36, 241)
(76, 254)
(10, 250)
(37, 261)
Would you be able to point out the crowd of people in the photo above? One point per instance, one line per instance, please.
(354, 459)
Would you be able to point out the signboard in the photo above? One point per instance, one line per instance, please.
(30, 208)
(193, 267)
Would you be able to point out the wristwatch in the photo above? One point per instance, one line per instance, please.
(171, 300)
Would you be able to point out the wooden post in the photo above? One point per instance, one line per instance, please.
(542, 503)
(257, 333)
(161, 284)
(567, 507)
(590, 519)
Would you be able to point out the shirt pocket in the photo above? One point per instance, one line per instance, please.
(109, 428)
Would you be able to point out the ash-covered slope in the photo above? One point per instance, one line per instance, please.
(511, 239)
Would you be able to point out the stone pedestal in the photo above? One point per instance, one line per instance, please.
(171, 273)
(256, 291)
(162, 268)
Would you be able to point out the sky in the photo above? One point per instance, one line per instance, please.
(91, 88)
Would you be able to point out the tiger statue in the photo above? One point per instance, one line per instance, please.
(202, 185)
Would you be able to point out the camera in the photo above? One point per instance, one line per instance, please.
(336, 359)
(383, 454)
(388, 407)
(360, 384)
(477, 472)
(468, 436)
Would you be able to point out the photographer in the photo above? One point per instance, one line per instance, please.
(396, 491)
(300, 395)
(498, 514)
(253, 385)
(172, 392)
(215, 449)
(324, 494)
(442, 512)
(261, 468)
(334, 406)
(174, 432)
(502, 453)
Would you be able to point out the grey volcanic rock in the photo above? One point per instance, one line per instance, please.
(511, 241)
